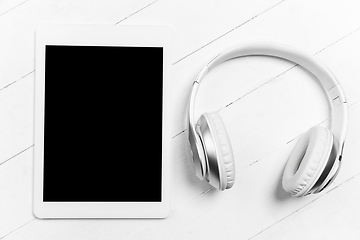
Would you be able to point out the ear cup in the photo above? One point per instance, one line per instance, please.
(307, 161)
(223, 149)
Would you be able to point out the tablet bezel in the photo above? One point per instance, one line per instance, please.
(101, 35)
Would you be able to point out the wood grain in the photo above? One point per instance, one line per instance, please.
(266, 105)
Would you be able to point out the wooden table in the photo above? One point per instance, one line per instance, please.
(266, 105)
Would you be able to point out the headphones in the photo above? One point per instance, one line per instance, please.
(314, 162)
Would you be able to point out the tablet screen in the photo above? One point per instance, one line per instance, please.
(103, 124)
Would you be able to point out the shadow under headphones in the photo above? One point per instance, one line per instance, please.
(314, 162)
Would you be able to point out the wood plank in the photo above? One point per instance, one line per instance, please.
(16, 192)
(18, 26)
(16, 118)
(271, 114)
(9, 5)
(204, 213)
(277, 24)
(242, 150)
(269, 117)
(195, 25)
(257, 202)
(330, 217)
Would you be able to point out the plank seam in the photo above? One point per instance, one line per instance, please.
(16, 229)
(29, 73)
(17, 154)
(231, 30)
(351, 178)
(13, 8)
(132, 14)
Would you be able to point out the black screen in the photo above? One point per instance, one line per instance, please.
(103, 124)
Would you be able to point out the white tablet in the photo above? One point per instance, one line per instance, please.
(102, 122)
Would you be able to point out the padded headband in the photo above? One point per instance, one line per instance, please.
(329, 82)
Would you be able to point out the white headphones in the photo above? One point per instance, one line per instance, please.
(316, 158)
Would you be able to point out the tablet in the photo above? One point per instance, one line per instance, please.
(102, 122)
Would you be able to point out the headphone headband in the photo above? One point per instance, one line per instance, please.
(329, 82)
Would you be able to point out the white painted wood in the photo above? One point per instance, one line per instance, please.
(266, 105)
(16, 118)
(16, 192)
(9, 5)
(17, 27)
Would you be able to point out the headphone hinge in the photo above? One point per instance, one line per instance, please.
(337, 96)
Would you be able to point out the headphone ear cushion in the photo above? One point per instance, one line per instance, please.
(307, 161)
(223, 147)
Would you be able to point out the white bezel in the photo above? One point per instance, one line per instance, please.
(101, 35)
